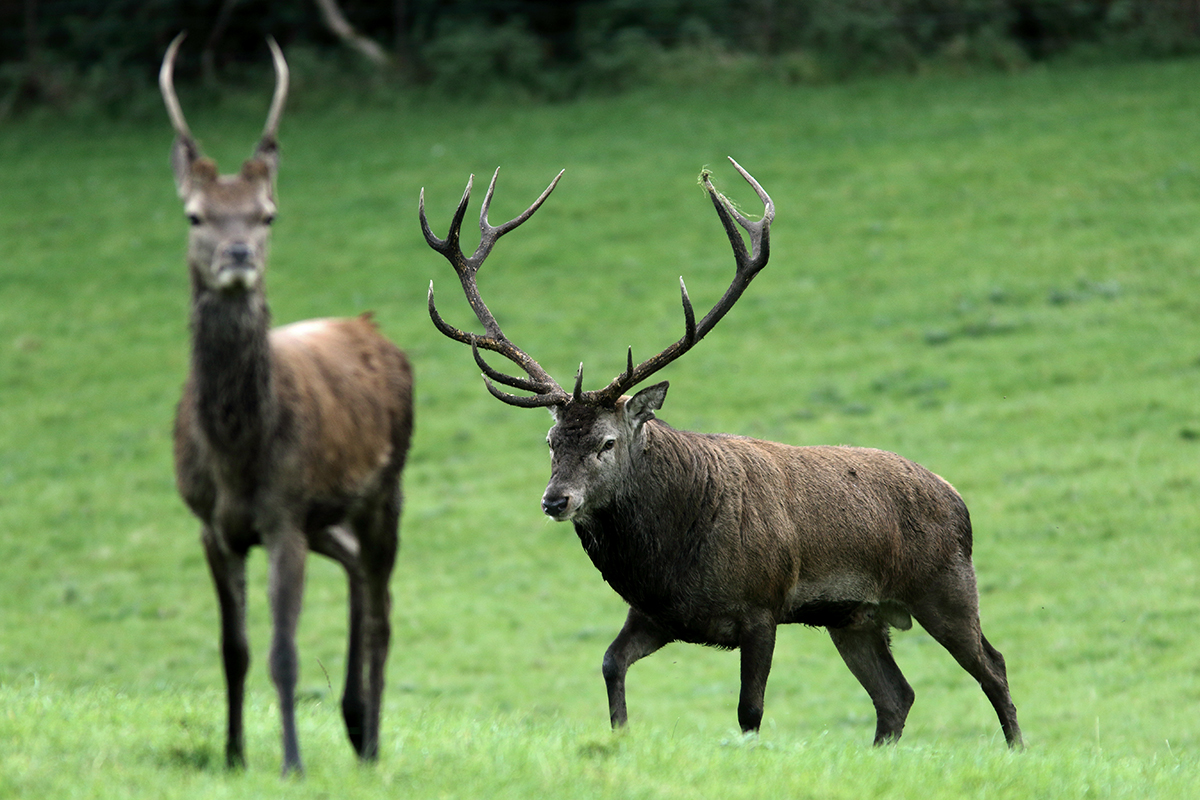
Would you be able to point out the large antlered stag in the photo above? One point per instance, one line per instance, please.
(718, 539)
(292, 438)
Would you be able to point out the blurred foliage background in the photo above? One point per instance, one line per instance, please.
(103, 54)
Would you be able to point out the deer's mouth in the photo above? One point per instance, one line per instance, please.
(236, 276)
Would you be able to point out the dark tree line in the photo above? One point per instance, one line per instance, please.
(51, 50)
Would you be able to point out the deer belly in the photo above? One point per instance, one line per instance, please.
(843, 600)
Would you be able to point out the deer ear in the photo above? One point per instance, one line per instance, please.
(641, 407)
(256, 170)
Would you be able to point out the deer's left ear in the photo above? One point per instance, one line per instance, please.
(640, 408)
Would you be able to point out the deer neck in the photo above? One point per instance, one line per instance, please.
(653, 529)
(231, 368)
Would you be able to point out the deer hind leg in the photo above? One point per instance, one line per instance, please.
(867, 651)
(285, 587)
(376, 639)
(370, 627)
(353, 702)
(951, 616)
(639, 637)
(342, 545)
(229, 576)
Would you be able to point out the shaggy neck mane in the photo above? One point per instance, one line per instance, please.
(649, 535)
(231, 367)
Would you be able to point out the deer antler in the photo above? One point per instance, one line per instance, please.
(546, 391)
(166, 83)
(281, 92)
(748, 265)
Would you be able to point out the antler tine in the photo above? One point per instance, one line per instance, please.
(494, 374)
(448, 247)
(489, 233)
(577, 393)
(166, 83)
(533, 401)
(548, 392)
(758, 230)
(748, 264)
(540, 399)
(446, 328)
(281, 90)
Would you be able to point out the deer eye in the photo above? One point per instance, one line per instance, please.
(609, 444)
(268, 219)
(194, 219)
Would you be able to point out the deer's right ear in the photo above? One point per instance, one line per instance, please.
(184, 156)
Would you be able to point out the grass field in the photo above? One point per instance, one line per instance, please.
(995, 276)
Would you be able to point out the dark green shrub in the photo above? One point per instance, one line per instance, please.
(104, 54)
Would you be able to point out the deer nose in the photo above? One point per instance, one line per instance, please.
(555, 506)
(238, 252)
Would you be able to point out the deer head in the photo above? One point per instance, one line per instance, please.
(230, 215)
(598, 435)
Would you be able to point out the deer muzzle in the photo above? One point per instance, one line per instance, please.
(236, 268)
(558, 506)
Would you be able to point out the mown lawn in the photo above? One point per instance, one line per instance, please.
(994, 276)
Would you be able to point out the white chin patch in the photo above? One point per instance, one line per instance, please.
(236, 277)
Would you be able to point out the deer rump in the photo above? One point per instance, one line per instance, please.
(710, 526)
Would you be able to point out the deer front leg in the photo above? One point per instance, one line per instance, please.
(639, 637)
(285, 588)
(229, 576)
(758, 647)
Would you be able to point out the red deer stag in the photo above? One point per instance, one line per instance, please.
(718, 539)
(292, 438)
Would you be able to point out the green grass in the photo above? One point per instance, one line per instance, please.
(994, 276)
